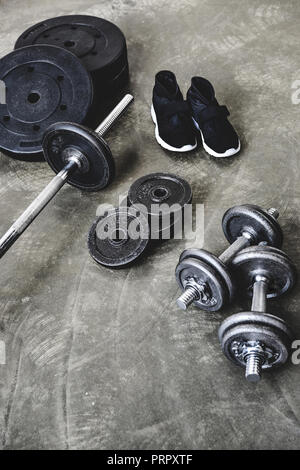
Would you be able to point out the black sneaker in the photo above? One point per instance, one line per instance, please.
(218, 136)
(171, 115)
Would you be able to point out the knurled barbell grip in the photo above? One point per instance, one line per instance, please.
(34, 209)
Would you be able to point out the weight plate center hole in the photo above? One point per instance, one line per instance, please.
(159, 194)
(69, 44)
(33, 97)
(118, 237)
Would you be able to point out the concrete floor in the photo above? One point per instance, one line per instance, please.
(101, 359)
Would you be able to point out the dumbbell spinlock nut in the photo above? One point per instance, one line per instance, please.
(205, 279)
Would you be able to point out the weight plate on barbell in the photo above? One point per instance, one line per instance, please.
(98, 43)
(44, 84)
(118, 237)
(63, 138)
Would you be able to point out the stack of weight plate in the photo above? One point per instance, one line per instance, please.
(69, 68)
(110, 242)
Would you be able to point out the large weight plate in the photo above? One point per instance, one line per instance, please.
(106, 97)
(111, 242)
(44, 85)
(62, 137)
(159, 189)
(99, 44)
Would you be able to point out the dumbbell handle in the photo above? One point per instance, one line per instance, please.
(239, 244)
(48, 193)
(259, 298)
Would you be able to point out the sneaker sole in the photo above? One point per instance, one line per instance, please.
(211, 152)
(185, 148)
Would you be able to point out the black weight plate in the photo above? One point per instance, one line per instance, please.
(111, 242)
(44, 85)
(267, 329)
(63, 136)
(201, 272)
(108, 94)
(215, 263)
(159, 189)
(99, 44)
(255, 220)
(266, 261)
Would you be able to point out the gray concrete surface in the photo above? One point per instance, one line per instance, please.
(99, 359)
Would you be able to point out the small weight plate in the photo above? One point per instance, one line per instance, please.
(255, 220)
(215, 263)
(266, 261)
(158, 189)
(203, 273)
(272, 332)
(99, 44)
(62, 137)
(118, 237)
(44, 84)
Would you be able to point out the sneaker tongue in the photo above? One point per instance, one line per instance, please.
(203, 90)
(168, 85)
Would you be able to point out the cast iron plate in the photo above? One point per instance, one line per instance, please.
(44, 85)
(63, 136)
(111, 242)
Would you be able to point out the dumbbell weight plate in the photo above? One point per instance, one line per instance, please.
(44, 84)
(98, 43)
(119, 248)
(251, 218)
(61, 137)
(159, 189)
(203, 273)
(266, 261)
(272, 332)
(216, 264)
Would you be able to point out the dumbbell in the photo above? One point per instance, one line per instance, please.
(206, 279)
(79, 156)
(258, 340)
